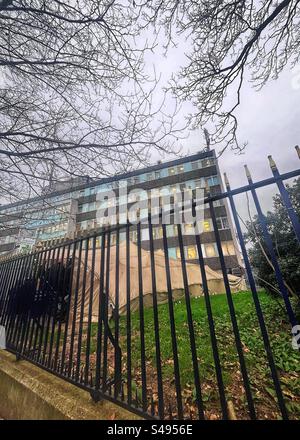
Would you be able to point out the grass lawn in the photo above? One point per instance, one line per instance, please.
(286, 358)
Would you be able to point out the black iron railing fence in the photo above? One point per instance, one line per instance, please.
(83, 310)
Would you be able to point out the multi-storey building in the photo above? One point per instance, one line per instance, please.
(73, 207)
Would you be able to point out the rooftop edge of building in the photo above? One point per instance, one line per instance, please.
(160, 165)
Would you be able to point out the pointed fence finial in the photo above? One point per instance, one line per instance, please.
(272, 163)
(247, 172)
(226, 181)
(297, 150)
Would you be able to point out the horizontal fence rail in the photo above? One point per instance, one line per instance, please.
(147, 331)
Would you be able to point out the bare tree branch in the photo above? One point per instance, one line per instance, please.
(231, 41)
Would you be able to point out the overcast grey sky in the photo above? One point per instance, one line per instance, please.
(269, 120)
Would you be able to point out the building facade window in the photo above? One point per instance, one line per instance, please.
(149, 176)
(172, 252)
(195, 165)
(210, 250)
(113, 239)
(145, 234)
(133, 236)
(222, 223)
(207, 225)
(199, 183)
(189, 229)
(157, 232)
(228, 248)
(217, 203)
(212, 181)
(171, 230)
(207, 162)
(191, 252)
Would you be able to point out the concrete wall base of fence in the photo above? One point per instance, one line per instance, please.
(28, 392)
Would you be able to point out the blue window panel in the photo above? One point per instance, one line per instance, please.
(122, 236)
(144, 213)
(195, 165)
(145, 234)
(187, 167)
(213, 181)
(104, 187)
(170, 231)
(191, 183)
(172, 252)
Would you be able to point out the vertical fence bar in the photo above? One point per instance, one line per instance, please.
(63, 296)
(44, 281)
(118, 354)
(8, 281)
(20, 306)
(68, 312)
(269, 244)
(105, 315)
(156, 324)
(3, 266)
(190, 325)
(90, 310)
(21, 315)
(285, 198)
(259, 312)
(142, 320)
(30, 322)
(14, 315)
(36, 319)
(36, 325)
(78, 361)
(29, 302)
(172, 324)
(57, 282)
(100, 315)
(4, 270)
(52, 299)
(233, 316)
(75, 305)
(128, 314)
(45, 278)
(16, 285)
(50, 282)
(211, 325)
